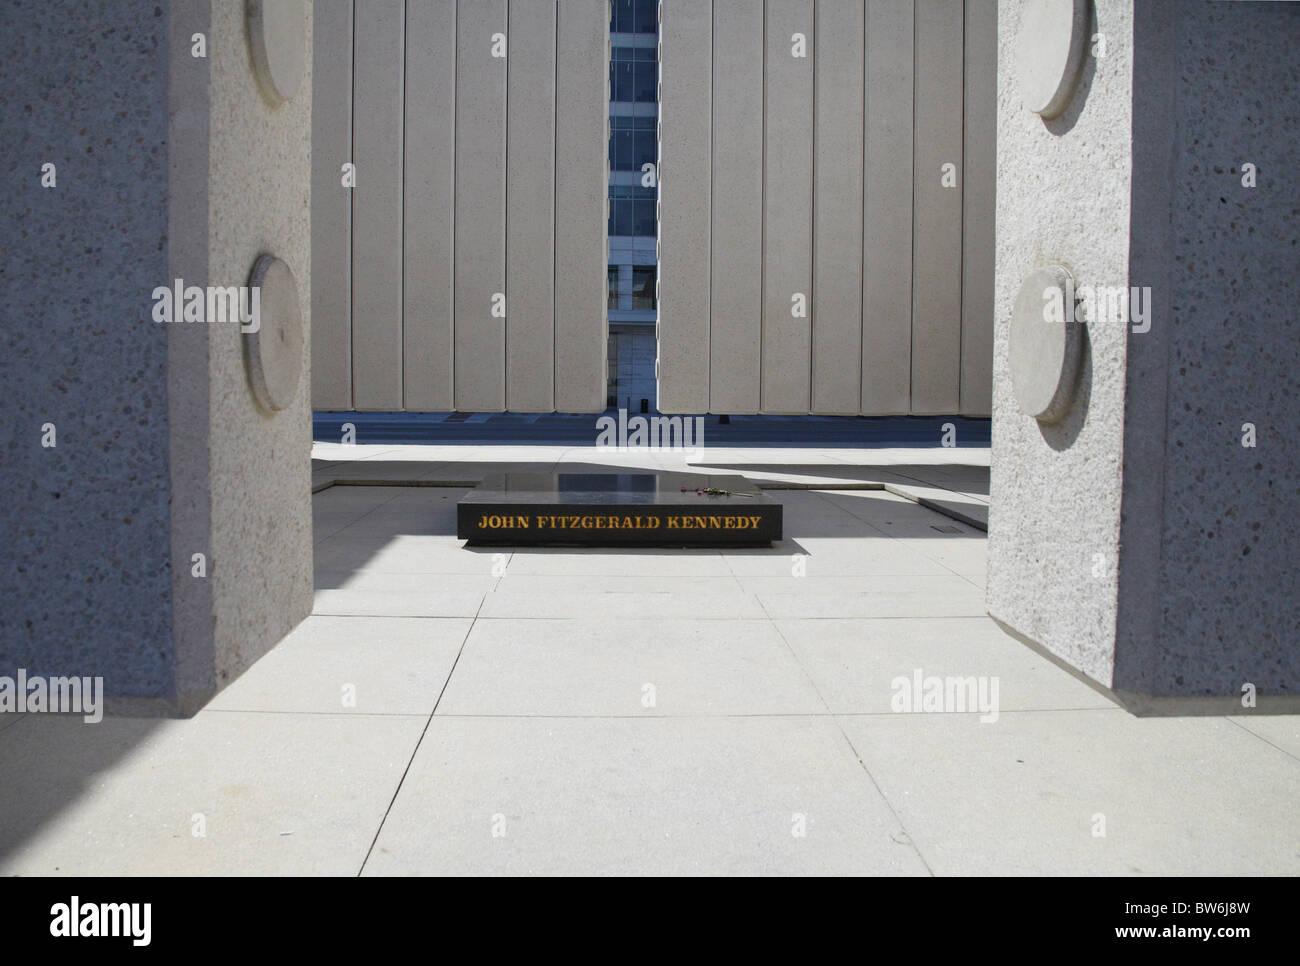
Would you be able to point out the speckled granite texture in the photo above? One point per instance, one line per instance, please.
(259, 197)
(1063, 196)
(1138, 541)
(84, 564)
(168, 166)
(1211, 579)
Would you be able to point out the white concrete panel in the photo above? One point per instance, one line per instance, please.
(837, 208)
(735, 325)
(979, 156)
(887, 209)
(430, 169)
(581, 171)
(378, 31)
(480, 205)
(331, 207)
(530, 207)
(685, 172)
(936, 241)
(787, 207)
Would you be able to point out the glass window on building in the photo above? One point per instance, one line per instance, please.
(643, 287)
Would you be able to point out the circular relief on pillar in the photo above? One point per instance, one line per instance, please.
(1049, 52)
(1045, 345)
(273, 352)
(277, 35)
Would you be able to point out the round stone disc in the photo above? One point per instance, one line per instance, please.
(274, 352)
(1045, 344)
(1049, 52)
(277, 34)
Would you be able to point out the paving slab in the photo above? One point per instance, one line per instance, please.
(856, 664)
(364, 593)
(1280, 730)
(626, 796)
(703, 604)
(618, 667)
(1022, 796)
(272, 794)
(352, 665)
(893, 597)
(695, 562)
(363, 549)
(876, 556)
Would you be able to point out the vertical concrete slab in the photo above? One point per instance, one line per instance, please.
(787, 207)
(331, 222)
(530, 207)
(427, 201)
(135, 450)
(979, 188)
(1207, 607)
(581, 199)
(1063, 196)
(192, 646)
(937, 210)
(480, 205)
(685, 175)
(887, 209)
(838, 209)
(377, 109)
(259, 201)
(736, 227)
(87, 579)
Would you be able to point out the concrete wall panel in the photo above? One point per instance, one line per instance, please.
(581, 173)
(530, 208)
(379, 30)
(937, 211)
(979, 187)
(685, 171)
(736, 228)
(887, 209)
(787, 207)
(430, 171)
(480, 205)
(837, 207)
(331, 221)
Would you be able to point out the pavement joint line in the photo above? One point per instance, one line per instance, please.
(419, 741)
(1255, 734)
(911, 840)
(843, 734)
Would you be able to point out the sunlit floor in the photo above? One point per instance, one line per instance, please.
(557, 710)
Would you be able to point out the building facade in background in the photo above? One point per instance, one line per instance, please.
(633, 143)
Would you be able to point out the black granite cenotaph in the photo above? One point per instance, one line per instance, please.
(618, 510)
